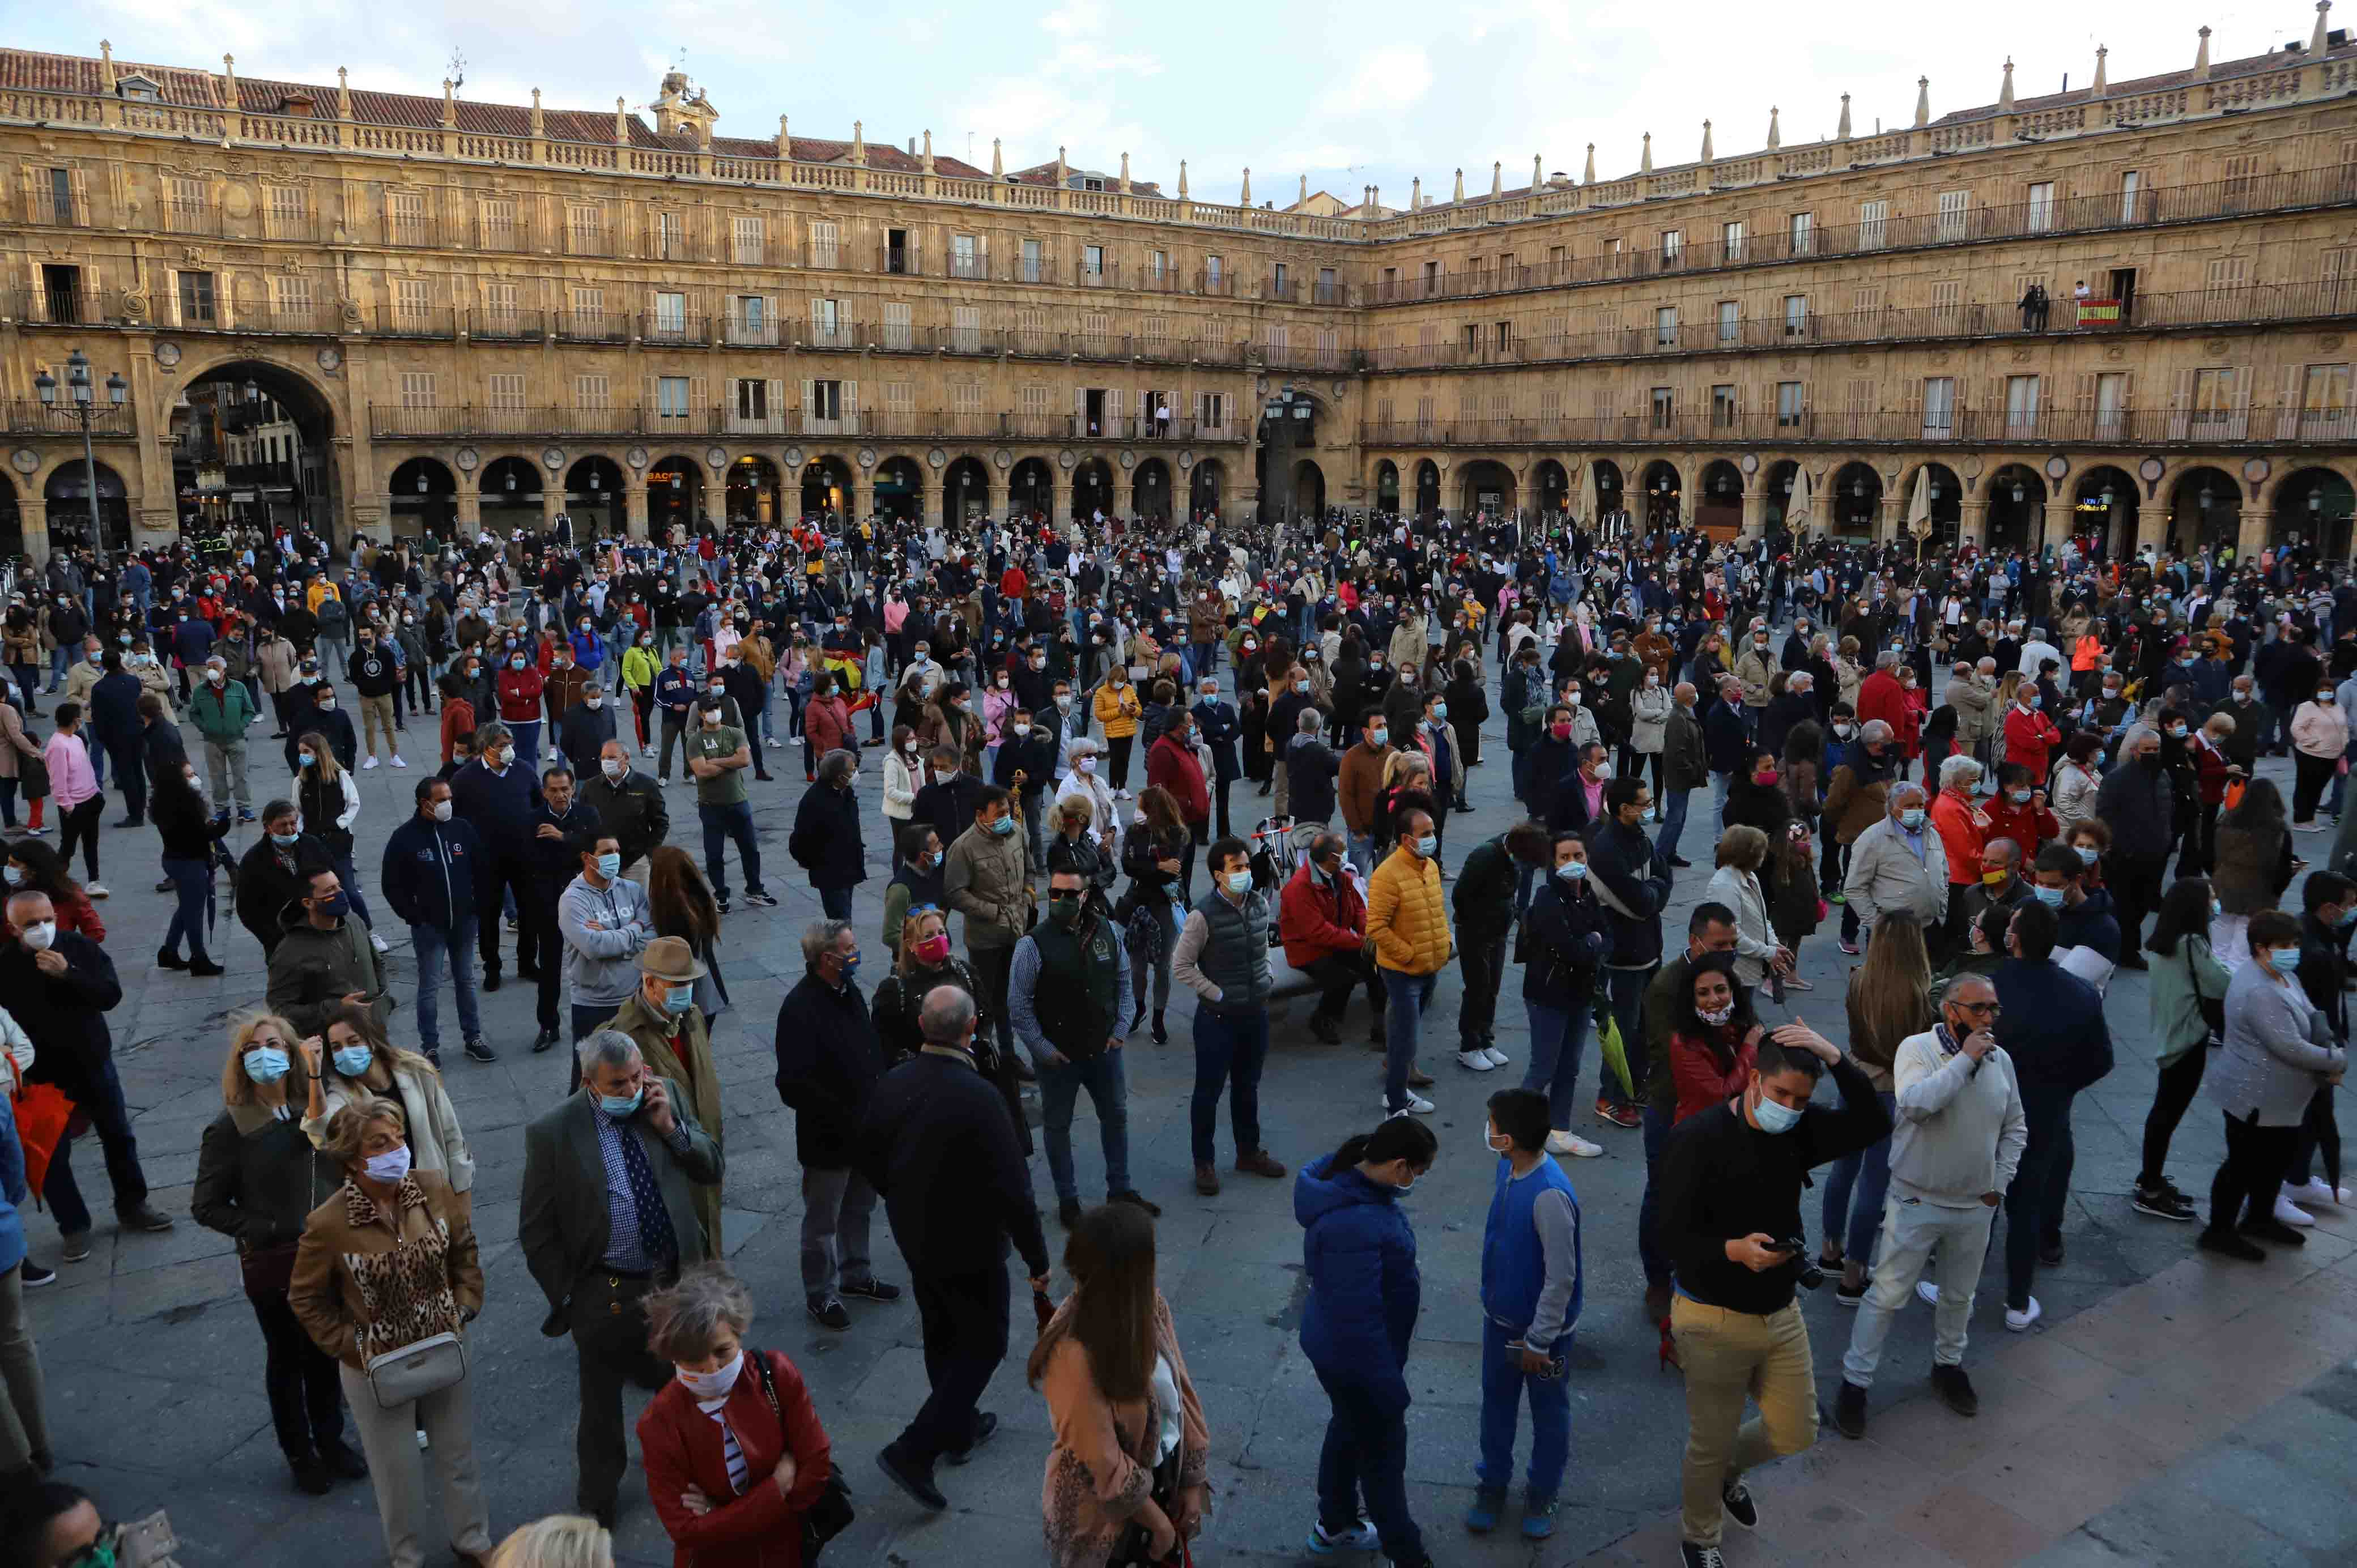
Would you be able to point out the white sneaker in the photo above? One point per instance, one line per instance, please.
(1497, 1058)
(2291, 1213)
(1415, 1102)
(771, 743)
(2019, 1321)
(1561, 1142)
(369, 764)
(397, 762)
(379, 943)
(2316, 1190)
(1474, 1060)
(648, 751)
(423, 1443)
(1928, 1292)
(95, 889)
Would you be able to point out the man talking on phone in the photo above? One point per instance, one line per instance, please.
(1728, 1216)
(1957, 1141)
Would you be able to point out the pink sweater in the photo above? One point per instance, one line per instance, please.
(71, 779)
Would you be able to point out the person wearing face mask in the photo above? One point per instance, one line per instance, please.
(1025, 763)
(1407, 922)
(322, 960)
(190, 835)
(628, 805)
(739, 1501)
(258, 1178)
(351, 1060)
(2320, 736)
(376, 675)
(825, 841)
(642, 667)
(394, 1233)
(500, 798)
(1896, 866)
(609, 1216)
(1221, 955)
(1217, 722)
(659, 1013)
(1361, 777)
(1359, 1255)
(606, 924)
(222, 709)
(585, 729)
(323, 716)
(1729, 1182)
(2138, 804)
(428, 879)
(518, 687)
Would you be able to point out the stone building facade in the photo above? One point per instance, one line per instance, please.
(481, 313)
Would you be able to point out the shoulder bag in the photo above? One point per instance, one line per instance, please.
(832, 1513)
(424, 1367)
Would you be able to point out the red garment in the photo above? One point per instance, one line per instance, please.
(1695, 1068)
(2210, 770)
(519, 693)
(1013, 583)
(1318, 921)
(1880, 696)
(1173, 767)
(1961, 837)
(2028, 828)
(681, 1447)
(826, 723)
(457, 719)
(2031, 739)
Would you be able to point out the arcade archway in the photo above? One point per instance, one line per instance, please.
(2313, 505)
(1151, 488)
(1856, 499)
(594, 498)
(1550, 488)
(755, 491)
(674, 495)
(1665, 491)
(1092, 490)
(424, 496)
(1206, 488)
(1718, 510)
(1427, 488)
(900, 490)
(305, 484)
(826, 487)
(2017, 507)
(1387, 487)
(965, 485)
(509, 496)
(1609, 484)
(2205, 508)
(2103, 512)
(1309, 492)
(1030, 487)
(1486, 485)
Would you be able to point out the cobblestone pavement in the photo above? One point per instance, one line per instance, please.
(2162, 1392)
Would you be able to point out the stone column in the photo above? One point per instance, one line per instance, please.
(2253, 538)
(1755, 505)
(1059, 495)
(634, 505)
(1972, 521)
(863, 493)
(33, 518)
(1124, 493)
(552, 499)
(470, 510)
(2060, 514)
(1890, 525)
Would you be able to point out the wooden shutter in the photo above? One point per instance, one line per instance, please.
(851, 407)
(775, 406)
(809, 401)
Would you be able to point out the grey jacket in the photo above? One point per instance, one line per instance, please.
(2270, 1066)
(601, 966)
(1884, 877)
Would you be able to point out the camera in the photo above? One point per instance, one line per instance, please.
(1808, 1275)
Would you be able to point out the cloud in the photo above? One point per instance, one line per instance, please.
(1384, 81)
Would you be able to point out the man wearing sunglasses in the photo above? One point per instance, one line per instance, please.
(1955, 1143)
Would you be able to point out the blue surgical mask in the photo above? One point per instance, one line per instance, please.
(1428, 845)
(1911, 819)
(2087, 856)
(680, 998)
(2286, 960)
(2049, 896)
(353, 1060)
(285, 840)
(2348, 916)
(610, 867)
(15, 874)
(1003, 826)
(622, 1108)
(1239, 881)
(1440, 710)
(2019, 797)
(265, 1064)
(1572, 871)
(1775, 1116)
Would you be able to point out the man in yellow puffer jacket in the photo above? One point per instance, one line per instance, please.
(1407, 921)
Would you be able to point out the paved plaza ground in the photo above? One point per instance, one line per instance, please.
(2171, 1408)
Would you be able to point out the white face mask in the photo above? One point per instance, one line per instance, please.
(388, 1167)
(441, 810)
(1085, 764)
(712, 1385)
(595, 702)
(614, 767)
(41, 935)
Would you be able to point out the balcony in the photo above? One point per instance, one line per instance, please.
(593, 326)
(1999, 427)
(1104, 274)
(396, 422)
(1214, 284)
(51, 208)
(508, 326)
(592, 239)
(975, 268)
(30, 416)
(749, 332)
(662, 326)
(63, 308)
(510, 232)
(403, 320)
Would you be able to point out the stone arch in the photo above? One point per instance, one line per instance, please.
(317, 406)
(596, 491)
(2015, 493)
(1718, 505)
(752, 489)
(966, 485)
(422, 498)
(824, 484)
(1662, 487)
(675, 491)
(1383, 489)
(1854, 498)
(1152, 491)
(1550, 487)
(2318, 508)
(899, 486)
(508, 487)
(66, 486)
(1032, 483)
(2280, 480)
(2201, 503)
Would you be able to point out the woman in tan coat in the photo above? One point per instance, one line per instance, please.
(1131, 1448)
(387, 1261)
(14, 745)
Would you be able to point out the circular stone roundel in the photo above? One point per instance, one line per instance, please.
(1971, 467)
(24, 459)
(636, 458)
(868, 457)
(1066, 458)
(1185, 460)
(1129, 460)
(329, 356)
(936, 458)
(2256, 472)
(1001, 459)
(2151, 470)
(551, 458)
(167, 354)
(2057, 467)
(793, 456)
(1342, 388)
(467, 460)
(1751, 462)
(715, 457)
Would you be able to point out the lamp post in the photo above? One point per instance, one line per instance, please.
(79, 397)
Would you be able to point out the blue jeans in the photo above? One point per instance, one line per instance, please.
(835, 903)
(112, 1122)
(526, 735)
(351, 881)
(2040, 1189)
(432, 945)
(1227, 1044)
(1060, 1088)
(1362, 851)
(193, 881)
(1674, 822)
(1719, 787)
(721, 824)
(1656, 1133)
(1856, 1216)
(1503, 1384)
(1403, 1023)
(1365, 1457)
(1558, 1037)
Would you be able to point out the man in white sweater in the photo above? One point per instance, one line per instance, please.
(1954, 1144)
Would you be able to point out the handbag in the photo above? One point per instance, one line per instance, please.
(831, 1513)
(423, 1367)
(43, 1114)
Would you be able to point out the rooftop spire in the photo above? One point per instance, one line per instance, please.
(928, 157)
(1842, 131)
(2102, 82)
(858, 142)
(1775, 136)
(539, 120)
(998, 167)
(785, 139)
(621, 125)
(1497, 179)
(2321, 39)
(1125, 170)
(2201, 58)
(1245, 199)
(1588, 175)
(343, 93)
(1460, 196)
(1538, 174)
(1304, 188)
(105, 65)
(1645, 165)
(1182, 171)
(1706, 155)
(1415, 194)
(2005, 89)
(1922, 102)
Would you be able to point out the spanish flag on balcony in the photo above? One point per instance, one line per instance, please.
(2099, 313)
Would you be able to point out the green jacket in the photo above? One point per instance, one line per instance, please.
(2181, 983)
(221, 712)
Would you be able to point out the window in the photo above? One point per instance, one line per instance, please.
(1939, 408)
(900, 403)
(2241, 177)
(584, 229)
(1945, 293)
(1796, 315)
(965, 399)
(1665, 327)
(1031, 326)
(503, 391)
(2041, 207)
(749, 319)
(825, 241)
(1873, 224)
(2020, 405)
(2324, 397)
(1092, 261)
(671, 236)
(1803, 233)
(593, 392)
(1674, 246)
(1722, 408)
(1789, 408)
(500, 304)
(1329, 288)
(899, 250)
(965, 329)
(966, 256)
(589, 309)
(1665, 407)
(1505, 338)
(826, 323)
(1157, 266)
(1954, 208)
(1730, 239)
(1211, 410)
(670, 315)
(412, 302)
(1472, 339)
(1730, 320)
(496, 224)
(748, 241)
(670, 397)
(1283, 281)
(899, 331)
(1154, 329)
(2213, 398)
(290, 299)
(1214, 271)
(2228, 272)
(289, 214)
(2131, 189)
(187, 215)
(830, 406)
(417, 389)
(2110, 404)
(405, 217)
(752, 399)
(1033, 268)
(1866, 296)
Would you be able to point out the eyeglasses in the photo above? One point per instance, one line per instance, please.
(1981, 1009)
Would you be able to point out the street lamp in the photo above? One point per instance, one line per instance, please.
(79, 399)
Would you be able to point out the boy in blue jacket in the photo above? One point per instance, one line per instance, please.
(1531, 1293)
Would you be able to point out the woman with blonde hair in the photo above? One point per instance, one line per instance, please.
(1087, 781)
(354, 1061)
(387, 1262)
(922, 961)
(1736, 884)
(258, 1178)
(560, 1540)
(1889, 999)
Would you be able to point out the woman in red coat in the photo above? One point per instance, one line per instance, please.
(733, 1460)
(1714, 1039)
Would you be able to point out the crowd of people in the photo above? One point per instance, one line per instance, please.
(1986, 761)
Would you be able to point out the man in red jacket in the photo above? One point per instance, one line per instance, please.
(519, 686)
(1171, 764)
(1322, 919)
(2031, 736)
(1881, 696)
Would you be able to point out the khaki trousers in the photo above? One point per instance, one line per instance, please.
(1728, 1356)
(376, 720)
(397, 1470)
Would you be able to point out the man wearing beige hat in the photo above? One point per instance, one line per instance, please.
(662, 1015)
